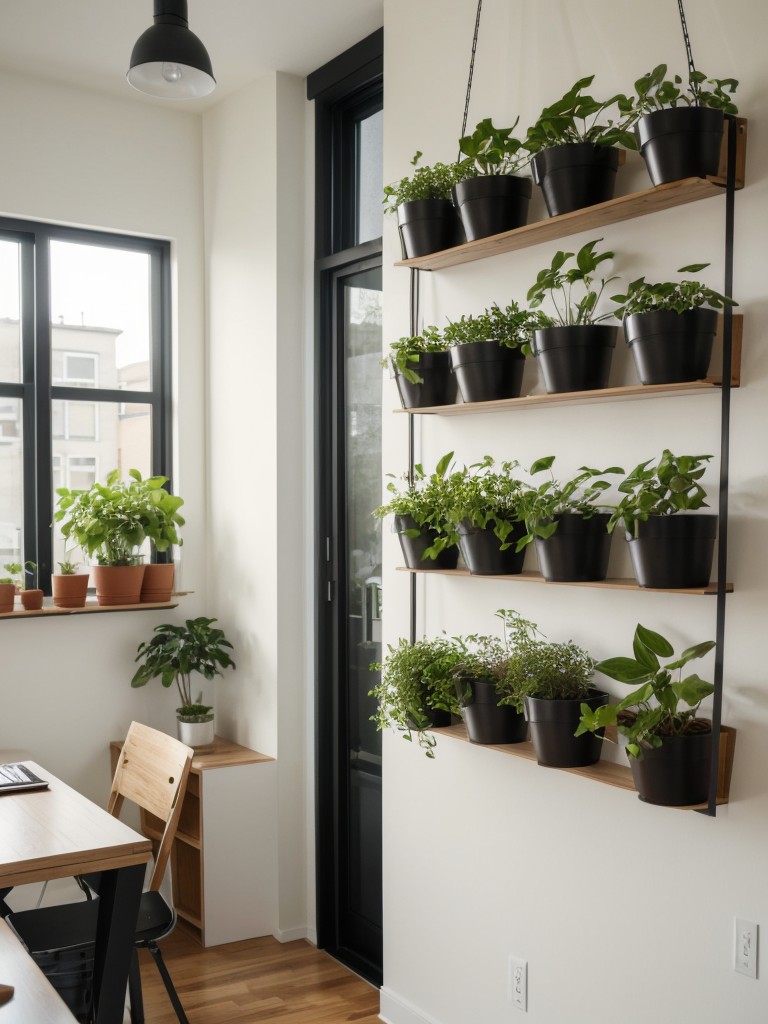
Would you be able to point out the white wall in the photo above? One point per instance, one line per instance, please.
(619, 908)
(74, 157)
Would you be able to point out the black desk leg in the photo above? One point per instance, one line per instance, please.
(119, 898)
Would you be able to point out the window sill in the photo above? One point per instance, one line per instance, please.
(49, 610)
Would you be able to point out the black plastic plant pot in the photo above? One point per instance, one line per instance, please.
(481, 550)
(439, 385)
(670, 347)
(576, 358)
(677, 773)
(413, 548)
(575, 175)
(436, 719)
(578, 550)
(492, 203)
(486, 370)
(427, 226)
(486, 722)
(681, 142)
(673, 552)
(553, 724)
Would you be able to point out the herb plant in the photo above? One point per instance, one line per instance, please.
(68, 568)
(426, 498)
(562, 286)
(18, 574)
(678, 296)
(575, 117)
(656, 92)
(510, 326)
(671, 485)
(491, 150)
(405, 353)
(662, 706)
(486, 497)
(428, 182)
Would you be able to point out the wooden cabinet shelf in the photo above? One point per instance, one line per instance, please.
(607, 772)
(535, 577)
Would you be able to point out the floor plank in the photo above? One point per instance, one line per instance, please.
(255, 982)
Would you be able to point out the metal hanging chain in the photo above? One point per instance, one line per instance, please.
(688, 52)
(471, 71)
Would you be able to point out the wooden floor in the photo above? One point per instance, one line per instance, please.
(256, 981)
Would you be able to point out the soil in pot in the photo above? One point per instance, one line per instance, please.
(427, 226)
(70, 591)
(32, 600)
(438, 386)
(413, 548)
(117, 584)
(669, 347)
(575, 358)
(575, 175)
(678, 772)
(157, 585)
(492, 203)
(673, 552)
(681, 142)
(486, 722)
(481, 550)
(486, 371)
(553, 724)
(578, 550)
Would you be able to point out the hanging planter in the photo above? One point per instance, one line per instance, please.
(487, 370)
(673, 552)
(481, 550)
(492, 203)
(437, 385)
(574, 358)
(683, 142)
(486, 722)
(414, 547)
(553, 724)
(427, 226)
(668, 347)
(575, 175)
(678, 772)
(578, 550)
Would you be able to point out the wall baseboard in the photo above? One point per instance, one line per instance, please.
(291, 934)
(394, 1010)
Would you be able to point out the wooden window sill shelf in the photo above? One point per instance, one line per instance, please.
(49, 610)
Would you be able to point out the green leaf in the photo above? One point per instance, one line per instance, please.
(654, 642)
(624, 670)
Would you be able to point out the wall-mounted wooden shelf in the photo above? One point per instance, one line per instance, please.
(535, 577)
(607, 772)
(49, 610)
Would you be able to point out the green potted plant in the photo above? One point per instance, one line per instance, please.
(163, 522)
(572, 344)
(484, 513)
(173, 655)
(679, 130)
(420, 509)
(488, 351)
(573, 147)
(31, 597)
(492, 196)
(426, 217)
(551, 682)
(670, 326)
(8, 588)
(69, 587)
(477, 679)
(670, 543)
(568, 523)
(668, 745)
(422, 368)
(416, 691)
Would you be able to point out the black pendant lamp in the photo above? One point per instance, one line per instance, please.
(168, 60)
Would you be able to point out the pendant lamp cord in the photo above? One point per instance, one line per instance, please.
(689, 53)
(471, 71)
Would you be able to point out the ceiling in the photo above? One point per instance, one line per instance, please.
(88, 42)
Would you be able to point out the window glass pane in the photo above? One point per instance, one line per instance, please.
(370, 181)
(100, 310)
(11, 498)
(10, 333)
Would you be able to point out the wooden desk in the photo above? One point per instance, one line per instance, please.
(34, 998)
(58, 833)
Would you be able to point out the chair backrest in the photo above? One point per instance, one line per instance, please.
(152, 772)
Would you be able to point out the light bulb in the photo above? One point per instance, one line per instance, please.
(172, 72)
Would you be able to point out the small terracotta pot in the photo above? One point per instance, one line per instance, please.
(70, 591)
(7, 597)
(118, 584)
(32, 600)
(157, 585)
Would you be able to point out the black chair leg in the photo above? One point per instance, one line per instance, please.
(134, 990)
(158, 957)
(5, 910)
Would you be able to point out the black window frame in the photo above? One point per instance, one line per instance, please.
(36, 390)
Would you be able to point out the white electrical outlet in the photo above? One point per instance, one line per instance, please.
(518, 983)
(745, 948)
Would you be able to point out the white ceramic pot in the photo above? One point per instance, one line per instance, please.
(195, 734)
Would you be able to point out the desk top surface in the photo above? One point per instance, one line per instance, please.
(57, 833)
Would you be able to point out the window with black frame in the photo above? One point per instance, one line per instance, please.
(84, 372)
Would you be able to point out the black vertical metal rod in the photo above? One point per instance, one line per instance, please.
(414, 322)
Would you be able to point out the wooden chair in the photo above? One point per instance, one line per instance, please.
(152, 773)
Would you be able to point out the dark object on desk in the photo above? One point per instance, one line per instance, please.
(6, 993)
(152, 772)
(15, 777)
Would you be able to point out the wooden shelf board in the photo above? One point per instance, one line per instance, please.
(608, 584)
(51, 611)
(607, 772)
(190, 840)
(190, 917)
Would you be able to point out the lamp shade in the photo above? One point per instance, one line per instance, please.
(168, 59)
